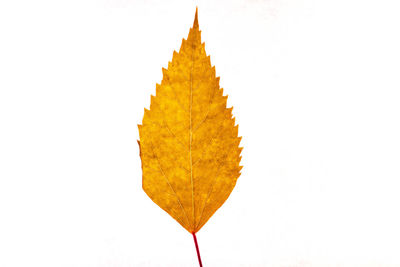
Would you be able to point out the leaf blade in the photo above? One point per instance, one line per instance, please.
(190, 136)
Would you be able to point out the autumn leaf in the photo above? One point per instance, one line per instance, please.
(189, 144)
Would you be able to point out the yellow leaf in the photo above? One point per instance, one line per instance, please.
(189, 143)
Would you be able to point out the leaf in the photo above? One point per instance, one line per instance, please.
(188, 138)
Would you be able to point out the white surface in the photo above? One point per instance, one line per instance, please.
(315, 89)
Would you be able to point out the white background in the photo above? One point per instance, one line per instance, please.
(315, 89)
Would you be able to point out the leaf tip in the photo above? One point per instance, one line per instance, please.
(196, 20)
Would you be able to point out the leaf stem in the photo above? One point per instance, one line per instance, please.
(197, 249)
